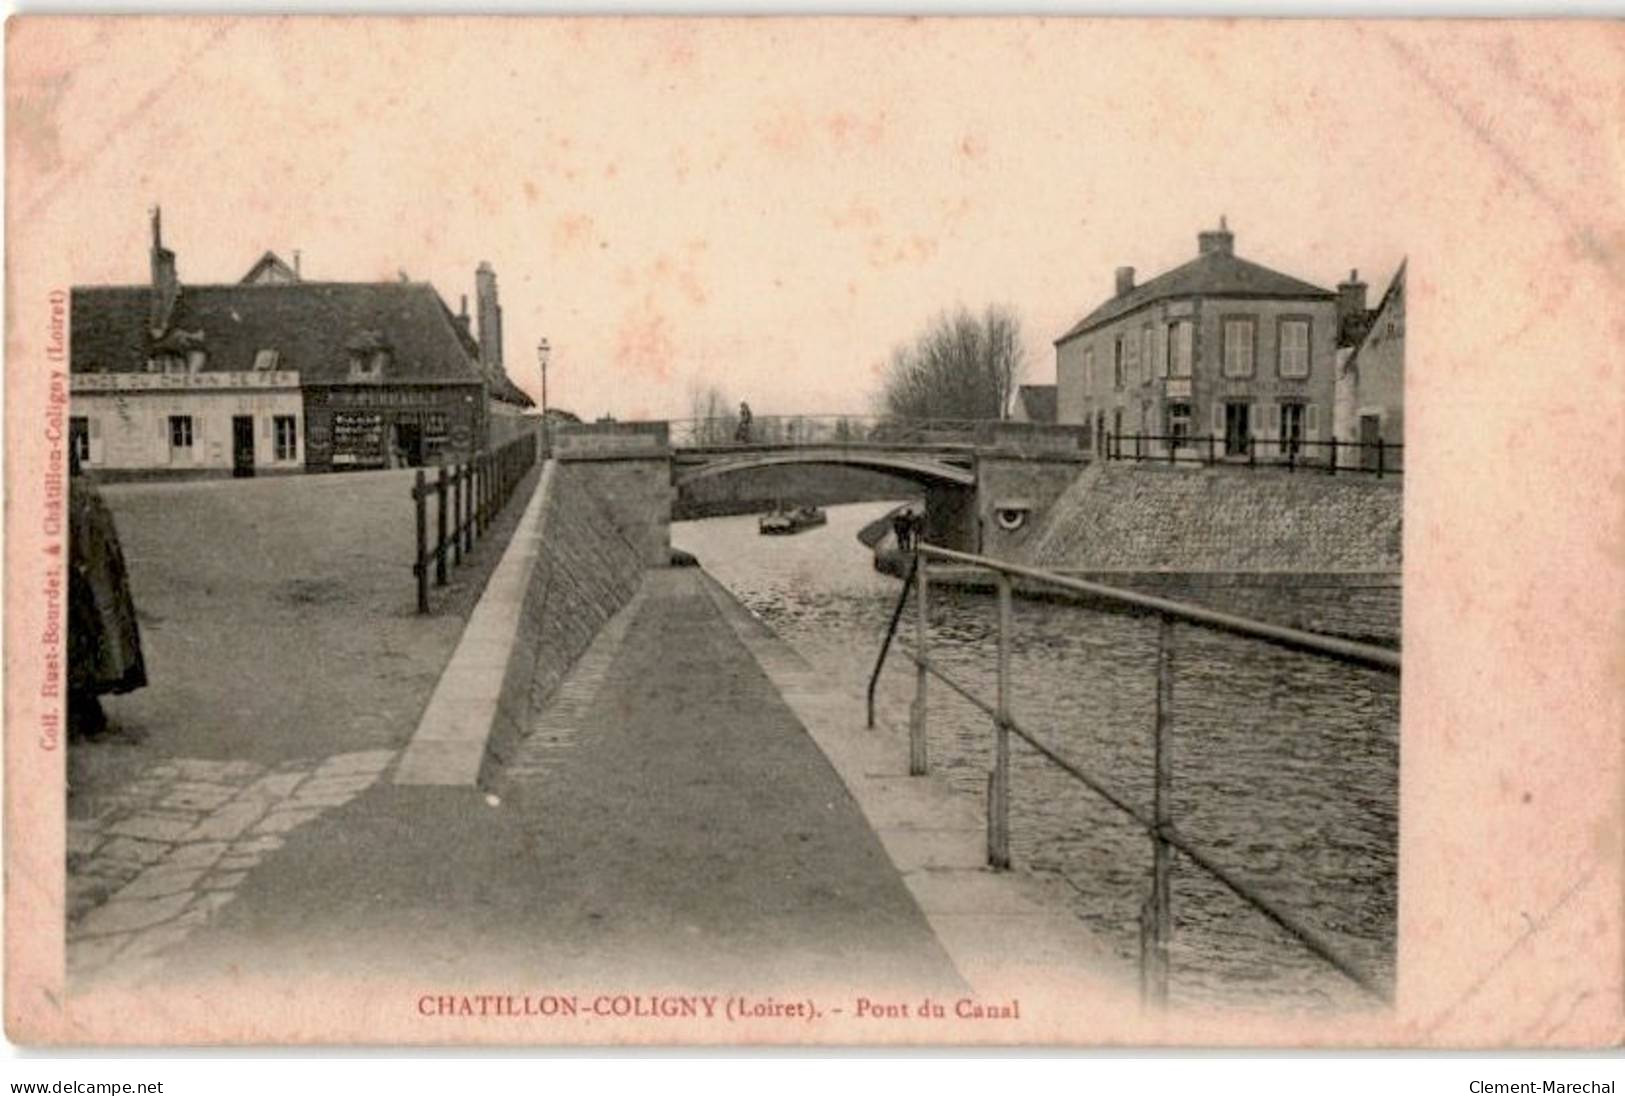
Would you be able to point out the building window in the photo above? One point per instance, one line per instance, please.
(180, 432)
(79, 438)
(266, 359)
(1179, 424)
(1237, 429)
(1238, 348)
(286, 429)
(1292, 423)
(1119, 362)
(1180, 337)
(1294, 348)
(1089, 370)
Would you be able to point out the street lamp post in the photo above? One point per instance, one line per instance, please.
(544, 350)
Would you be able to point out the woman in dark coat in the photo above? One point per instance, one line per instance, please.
(104, 642)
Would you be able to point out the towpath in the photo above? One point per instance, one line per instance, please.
(688, 832)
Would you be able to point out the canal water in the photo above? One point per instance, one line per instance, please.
(1285, 765)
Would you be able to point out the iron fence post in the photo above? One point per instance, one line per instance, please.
(998, 807)
(1331, 469)
(1155, 961)
(918, 763)
(1379, 458)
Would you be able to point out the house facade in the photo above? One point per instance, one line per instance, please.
(1219, 355)
(272, 374)
(1370, 404)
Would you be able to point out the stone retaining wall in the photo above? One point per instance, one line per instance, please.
(585, 570)
(1146, 517)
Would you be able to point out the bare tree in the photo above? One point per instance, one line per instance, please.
(961, 367)
(712, 412)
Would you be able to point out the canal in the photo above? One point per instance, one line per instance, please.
(1285, 764)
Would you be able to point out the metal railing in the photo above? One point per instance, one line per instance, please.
(471, 494)
(724, 431)
(1155, 916)
(1377, 458)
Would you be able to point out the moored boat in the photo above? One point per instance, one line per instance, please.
(784, 521)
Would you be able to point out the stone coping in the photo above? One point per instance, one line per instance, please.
(448, 746)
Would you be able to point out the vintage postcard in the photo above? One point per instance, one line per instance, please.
(1053, 531)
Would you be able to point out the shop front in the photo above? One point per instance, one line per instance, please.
(355, 427)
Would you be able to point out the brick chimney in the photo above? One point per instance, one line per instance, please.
(166, 285)
(1220, 241)
(490, 317)
(462, 316)
(1125, 279)
(1351, 314)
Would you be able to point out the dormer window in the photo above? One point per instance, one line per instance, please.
(195, 360)
(266, 359)
(370, 355)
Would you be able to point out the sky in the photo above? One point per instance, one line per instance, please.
(765, 206)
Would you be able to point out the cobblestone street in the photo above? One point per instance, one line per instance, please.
(180, 842)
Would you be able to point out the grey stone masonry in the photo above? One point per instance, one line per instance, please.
(1148, 517)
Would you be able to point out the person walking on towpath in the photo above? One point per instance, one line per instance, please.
(742, 432)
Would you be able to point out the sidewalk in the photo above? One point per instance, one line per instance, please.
(688, 833)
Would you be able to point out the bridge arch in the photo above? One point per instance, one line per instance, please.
(688, 468)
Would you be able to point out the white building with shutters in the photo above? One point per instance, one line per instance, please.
(196, 423)
(1219, 355)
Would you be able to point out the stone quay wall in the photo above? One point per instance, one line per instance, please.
(585, 570)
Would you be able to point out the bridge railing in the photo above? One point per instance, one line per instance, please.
(1156, 918)
(724, 431)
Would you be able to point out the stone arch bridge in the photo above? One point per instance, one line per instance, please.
(980, 481)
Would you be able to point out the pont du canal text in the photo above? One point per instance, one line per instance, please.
(732, 1008)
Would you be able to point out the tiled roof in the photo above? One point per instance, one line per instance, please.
(1216, 274)
(1039, 400)
(309, 324)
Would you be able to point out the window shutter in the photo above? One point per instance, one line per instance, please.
(95, 428)
(1218, 417)
(163, 427)
(1311, 426)
(1274, 422)
(1161, 338)
(265, 426)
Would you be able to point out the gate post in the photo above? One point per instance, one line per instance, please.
(421, 568)
(440, 530)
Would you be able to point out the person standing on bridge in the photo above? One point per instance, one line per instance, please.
(742, 432)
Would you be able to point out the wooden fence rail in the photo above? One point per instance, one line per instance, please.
(468, 496)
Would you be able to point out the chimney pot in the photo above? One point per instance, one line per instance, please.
(1125, 279)
(1220, 240)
